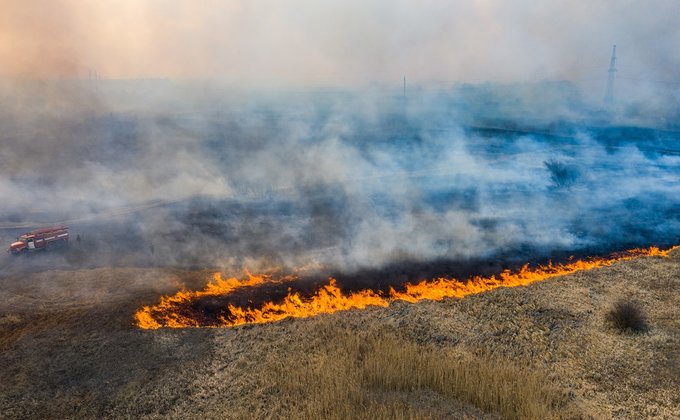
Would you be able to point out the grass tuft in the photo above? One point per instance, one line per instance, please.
(627, 316)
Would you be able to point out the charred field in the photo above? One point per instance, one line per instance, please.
(69, 348)
(375, 192)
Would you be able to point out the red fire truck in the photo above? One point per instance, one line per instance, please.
(39, 239)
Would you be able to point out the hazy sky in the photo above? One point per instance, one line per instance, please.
(338, 41)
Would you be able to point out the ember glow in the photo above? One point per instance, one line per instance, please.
(180, 310)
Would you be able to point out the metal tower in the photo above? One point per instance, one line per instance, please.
(609, 94)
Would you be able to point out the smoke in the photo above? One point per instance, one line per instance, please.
(213, 162)
(345, 179)
(338, 42)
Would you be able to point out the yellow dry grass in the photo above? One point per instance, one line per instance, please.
(377, 375)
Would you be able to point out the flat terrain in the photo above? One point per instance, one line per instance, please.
(68, 348)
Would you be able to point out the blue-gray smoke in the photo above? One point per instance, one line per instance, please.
(344, 179)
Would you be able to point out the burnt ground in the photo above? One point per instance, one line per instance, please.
(68, 346)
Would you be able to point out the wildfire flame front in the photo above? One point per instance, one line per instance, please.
(172, 311)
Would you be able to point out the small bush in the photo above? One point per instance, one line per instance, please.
(561, 174)
(627, 316)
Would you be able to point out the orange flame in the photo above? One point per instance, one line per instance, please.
(331, 299)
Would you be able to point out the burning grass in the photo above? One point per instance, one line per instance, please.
(184, 309)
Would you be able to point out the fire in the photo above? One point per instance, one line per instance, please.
(146, 317)
(174, 311)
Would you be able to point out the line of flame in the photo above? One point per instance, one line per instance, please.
(331, 299)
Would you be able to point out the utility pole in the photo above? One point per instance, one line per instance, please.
(609, 94)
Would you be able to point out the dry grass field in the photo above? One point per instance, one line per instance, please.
(68, 348)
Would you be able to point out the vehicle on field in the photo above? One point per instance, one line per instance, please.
(39, 239)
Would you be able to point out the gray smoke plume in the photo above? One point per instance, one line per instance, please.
(273, 135)
(345, 179)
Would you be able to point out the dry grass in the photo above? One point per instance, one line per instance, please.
(372, 376)
(491, 385)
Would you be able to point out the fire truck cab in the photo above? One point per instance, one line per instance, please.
(39, 239)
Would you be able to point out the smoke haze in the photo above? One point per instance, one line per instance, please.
(272, 42)
(256, 133)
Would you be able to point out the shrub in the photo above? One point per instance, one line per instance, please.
(627, 316)
(562, 175)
